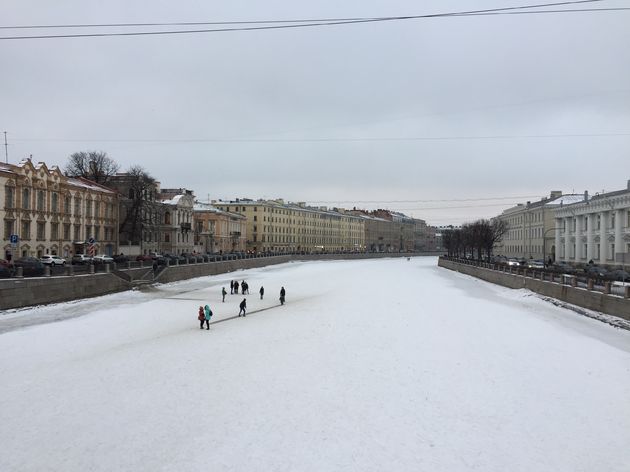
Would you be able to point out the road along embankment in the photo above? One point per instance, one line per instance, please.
(558, 289)
(23, 292)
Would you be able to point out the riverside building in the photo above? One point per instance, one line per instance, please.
(46, 212)
(531, 227)
(595, 229)
(217, 230)
(276, 226)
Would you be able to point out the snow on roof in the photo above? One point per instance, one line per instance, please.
(84, 183)
(6, 168)
(173, 201)
(567, 199)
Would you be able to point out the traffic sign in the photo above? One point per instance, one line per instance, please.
(14, 239)
(91, 240)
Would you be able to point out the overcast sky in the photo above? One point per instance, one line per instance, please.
(428, 109)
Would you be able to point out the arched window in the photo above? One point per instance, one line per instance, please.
(131, 194)
(26, 198)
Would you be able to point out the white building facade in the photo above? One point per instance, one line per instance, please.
(597, 229)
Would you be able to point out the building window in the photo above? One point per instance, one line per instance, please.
(54, 231)
(40, 200)
(41, 231)
(97, 231)
(67, 203)
(8, 228)
(77, 232)
(77, 206)
(66, 231)
(255, 218)
(55, 202)
(26, 230)
(9, 197)
(26, 196)
(88, 208)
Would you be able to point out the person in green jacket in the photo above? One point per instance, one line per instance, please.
(207, 316)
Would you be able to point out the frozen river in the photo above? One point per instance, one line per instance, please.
(370, 366)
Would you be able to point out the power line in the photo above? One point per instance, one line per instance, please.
(496, 11)
(425, 201)
(324, 140)
(249, 22)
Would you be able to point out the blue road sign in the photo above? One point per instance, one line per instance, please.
(14, 239)
(91, 240)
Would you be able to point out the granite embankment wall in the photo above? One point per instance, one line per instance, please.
(592, 300)
(18, 293)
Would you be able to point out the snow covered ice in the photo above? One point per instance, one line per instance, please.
(371, 365)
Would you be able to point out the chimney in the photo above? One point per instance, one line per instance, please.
(628, 184)
(586, 195)
(556, 193)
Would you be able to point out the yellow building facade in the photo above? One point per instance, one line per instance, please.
(276, 226)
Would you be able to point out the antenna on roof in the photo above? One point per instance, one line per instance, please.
(6, 148)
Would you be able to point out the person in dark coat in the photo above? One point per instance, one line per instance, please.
(201, 317)
(235, 287)
(282, 295)
(231, 287)
(262, 292)
(223, 292)
(243, 307)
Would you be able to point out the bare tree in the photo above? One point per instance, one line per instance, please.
(139, 203)
(96, 166)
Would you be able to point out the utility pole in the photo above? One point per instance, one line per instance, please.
(6, 148)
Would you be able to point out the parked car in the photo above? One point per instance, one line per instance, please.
(52, 260)
(81, 259)
(143, 258)
(513, 262)
(563, 268)
(102, 259)
(535, 264)
(192, 257)
(159, 258)
(120, 258)
(595, 272)
(6, 269)
(31, 266)
(618, 275)
(174, 258)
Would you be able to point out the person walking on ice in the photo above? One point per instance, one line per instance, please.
(207, 314)
(201, 317)
(282, 295)
(243, 306)
(262, 292)
(235, 287)
(231, 287)
(224, 293)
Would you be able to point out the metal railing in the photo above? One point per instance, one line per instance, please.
(578, 279)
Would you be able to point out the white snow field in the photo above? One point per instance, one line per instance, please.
(375, 365)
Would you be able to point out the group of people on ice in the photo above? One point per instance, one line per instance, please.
(234, 285)
(205, 313)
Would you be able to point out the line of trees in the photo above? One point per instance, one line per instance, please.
(474, 239)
